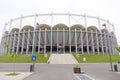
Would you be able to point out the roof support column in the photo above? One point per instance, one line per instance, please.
(109, 43)
(2, 45)
(76, 42)
(85, 20)
(14, 38)
(51, 40)
(69, 34)
(18, 41)
(51, 31)
(97, 42)
(57, 41)
(23, 39)
(63, 40)
(105, 39)
(34, 36)
(7, 40)
(101, 38)
(10, 44)
(69, 40)
(4, 49)
(28, 41)
(39, 41)
(92, 38)
(45, 43)
(81, 40)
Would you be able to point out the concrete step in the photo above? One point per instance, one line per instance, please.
(62, 59)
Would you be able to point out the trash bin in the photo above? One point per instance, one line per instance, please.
(115, 67)
(31, 68)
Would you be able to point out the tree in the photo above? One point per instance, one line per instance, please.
(11, 52)
(8, 49)
(117, 48)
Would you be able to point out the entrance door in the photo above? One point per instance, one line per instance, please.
(60, 50)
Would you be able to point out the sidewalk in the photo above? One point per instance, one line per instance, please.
(21, 76)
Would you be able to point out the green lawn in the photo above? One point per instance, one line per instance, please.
(18, 58)
(12, 74)
(96, 58)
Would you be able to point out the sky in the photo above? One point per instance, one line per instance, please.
(106, 9)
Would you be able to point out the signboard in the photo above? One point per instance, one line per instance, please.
(33, 58)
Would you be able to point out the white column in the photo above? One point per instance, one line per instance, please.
(112, 40)
(87, 41)
(23, 40)
(13, 47)
(7, 40)
(92, 38)
(81, 39)
(113, 28)
(63, 40)
(85, 19)
(102, 47)
(51, 40)
(4, 39)
(10, 34)
(45, 43)
(2, 43)
(75, 41)
(10, 44)
(111, 50)
(97, 42)
(99, 24)
(57, 40)
(105, 39)
(18, 41)
(70, 40)
(39, 41)
(2, 46)
(34, 35)
(51, 30)
(28, 41)
(69, 34)
(109, 44)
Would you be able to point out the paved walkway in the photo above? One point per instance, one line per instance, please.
(62, 59)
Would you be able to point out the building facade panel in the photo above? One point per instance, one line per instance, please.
(59, 38)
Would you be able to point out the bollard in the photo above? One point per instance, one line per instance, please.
(115, 67)
(31, 68)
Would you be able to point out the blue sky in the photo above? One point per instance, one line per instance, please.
(106, 9)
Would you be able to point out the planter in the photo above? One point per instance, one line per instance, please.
(77, 70)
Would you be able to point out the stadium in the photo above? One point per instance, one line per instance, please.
(58, 33)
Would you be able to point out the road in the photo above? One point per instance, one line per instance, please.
(63, 72)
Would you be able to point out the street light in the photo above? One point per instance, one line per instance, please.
(110, 58)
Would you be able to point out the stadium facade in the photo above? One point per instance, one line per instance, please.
(75, 34)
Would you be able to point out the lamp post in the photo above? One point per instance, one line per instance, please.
(110, 58)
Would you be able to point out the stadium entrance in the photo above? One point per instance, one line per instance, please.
(60, 50)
